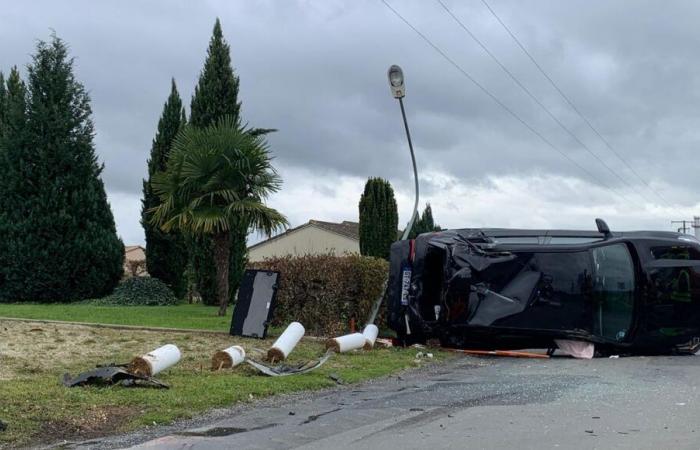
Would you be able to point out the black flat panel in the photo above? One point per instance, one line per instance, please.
(256, 302)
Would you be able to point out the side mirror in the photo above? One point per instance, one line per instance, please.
(603, 228)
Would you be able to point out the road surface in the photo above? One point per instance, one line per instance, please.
(640, 402)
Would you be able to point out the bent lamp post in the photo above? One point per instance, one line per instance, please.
(398, 90)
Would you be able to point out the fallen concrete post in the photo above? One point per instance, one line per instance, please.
(156, 361)
(227, 358)
(284, 344)
(370, 333)
(342, 344)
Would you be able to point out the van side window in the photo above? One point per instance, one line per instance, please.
(683, 252)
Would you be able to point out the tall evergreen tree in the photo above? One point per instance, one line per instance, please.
(3, 100)
(166, 255)
(216, 97)
(424, 224)
(57, 229)
(379, 218)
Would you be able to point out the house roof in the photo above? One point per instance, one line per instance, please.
(131, 248)
(345, 228)
(350, 230)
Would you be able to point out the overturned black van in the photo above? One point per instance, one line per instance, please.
(627, 292)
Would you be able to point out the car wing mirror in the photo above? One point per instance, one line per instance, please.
(603, 228)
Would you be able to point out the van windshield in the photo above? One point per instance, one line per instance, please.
(613, 291)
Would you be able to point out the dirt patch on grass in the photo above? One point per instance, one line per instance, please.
(95, 422)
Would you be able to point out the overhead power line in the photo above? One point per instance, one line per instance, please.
(573, 106)
(536, 100)
(501, 104)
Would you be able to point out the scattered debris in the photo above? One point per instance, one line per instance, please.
(342, 344)
(156, 361)
(614, 356)
(335, 377)
(257, 296)
(370, 333)
(421, 355)
(111, 375)
(284, 344)
(384, 342)
(284, 370)
(577, 349)
(227, 358)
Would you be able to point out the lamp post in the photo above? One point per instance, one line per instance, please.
(398, 90)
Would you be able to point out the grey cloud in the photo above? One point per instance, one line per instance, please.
(317, 72)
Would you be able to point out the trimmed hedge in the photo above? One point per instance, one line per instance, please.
(140, 291)
(324, 292)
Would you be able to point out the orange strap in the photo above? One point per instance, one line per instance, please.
(510, 353)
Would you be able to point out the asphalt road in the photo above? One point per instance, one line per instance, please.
(641, 402)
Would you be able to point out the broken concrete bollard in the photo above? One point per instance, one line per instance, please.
(342, 344)
(370, 333)
(284, 344)
(227, 358)
(156, 361)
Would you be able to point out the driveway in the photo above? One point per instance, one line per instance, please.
(641, 402)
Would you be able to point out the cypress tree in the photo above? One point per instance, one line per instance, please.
(12, 144)
(58, 232)
(379, 218)
(166, 255)
(216, 96)
(424, 224)
(3, 99)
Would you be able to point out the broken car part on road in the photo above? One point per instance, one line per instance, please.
(111, 375)
(281, 370)
(626, 292)
(257, 297)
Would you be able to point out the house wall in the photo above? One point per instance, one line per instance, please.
(134, 254)
(306, 240)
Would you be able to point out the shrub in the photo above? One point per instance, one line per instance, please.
(141, 291)
(325, 292)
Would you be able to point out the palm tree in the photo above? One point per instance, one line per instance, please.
(216, 178)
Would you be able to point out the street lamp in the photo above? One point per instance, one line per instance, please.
(398, 90)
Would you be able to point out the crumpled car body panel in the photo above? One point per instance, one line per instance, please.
(630, 292)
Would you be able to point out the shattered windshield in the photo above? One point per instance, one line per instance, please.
(613, 291)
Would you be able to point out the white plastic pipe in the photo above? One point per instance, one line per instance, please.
(370, 333)
(236, 353)
(157, 361)
(284, 344)
(343, 344)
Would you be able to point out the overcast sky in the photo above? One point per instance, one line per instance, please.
(316, 71)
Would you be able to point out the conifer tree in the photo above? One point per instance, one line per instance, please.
(424, 224)
(3, 97)
(378, 218)
(216, 97)
(57, 229)
(166, 255)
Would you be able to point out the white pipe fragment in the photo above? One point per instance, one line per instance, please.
(370, 333)
(342, 344)
(227, 358)
(284, 344)
(156, 361)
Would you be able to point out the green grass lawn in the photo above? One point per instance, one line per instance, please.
(33, 357)
(191, 317)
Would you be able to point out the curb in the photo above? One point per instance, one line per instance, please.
(115, 326)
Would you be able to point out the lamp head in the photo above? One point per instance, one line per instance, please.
(398, 90)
